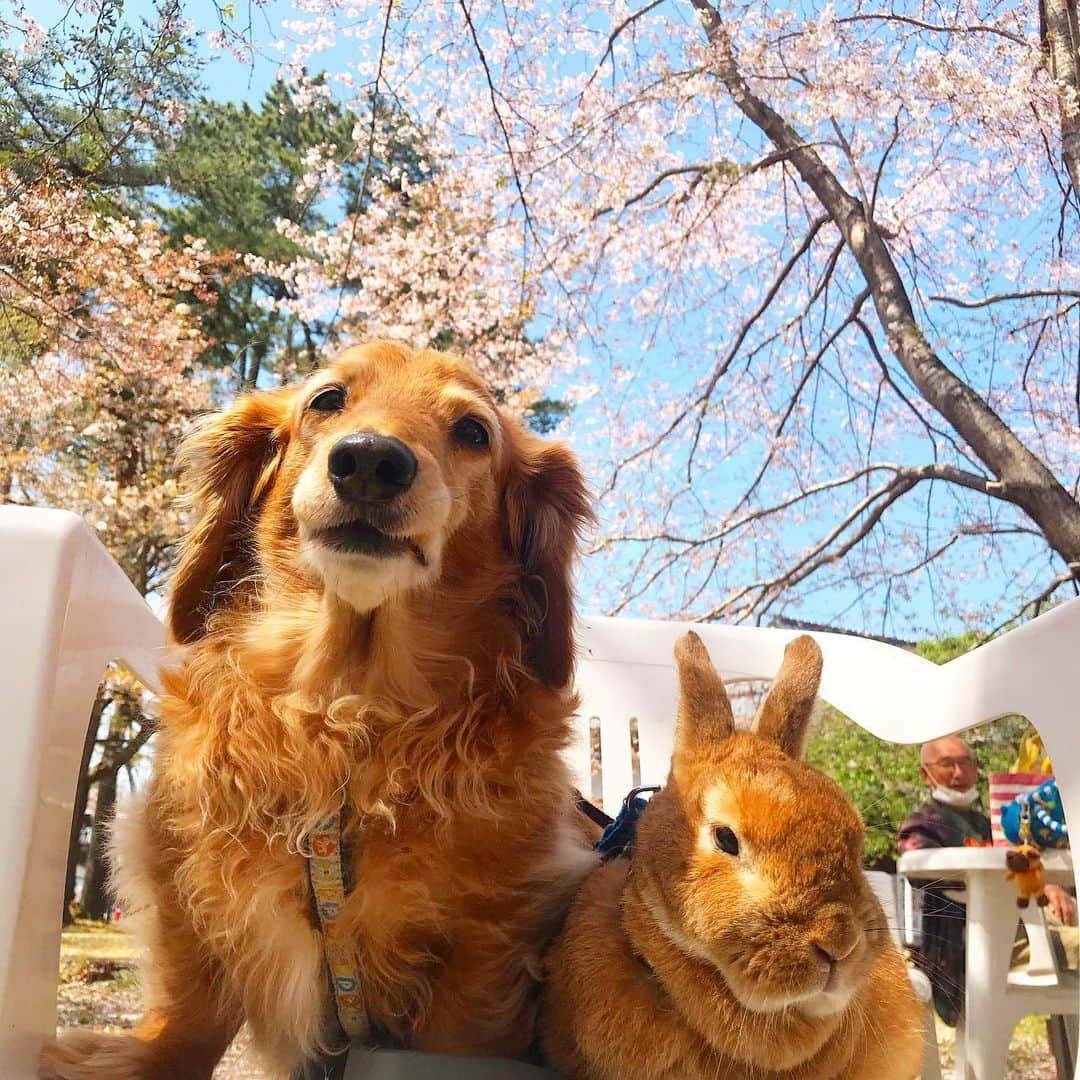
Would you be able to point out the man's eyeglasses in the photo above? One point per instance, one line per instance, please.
(951, 763)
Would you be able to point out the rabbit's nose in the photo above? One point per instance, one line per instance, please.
(833, 953)
(829, 961)
(834, 934)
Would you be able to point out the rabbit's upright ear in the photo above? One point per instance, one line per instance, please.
(705, 717)
(785, 714)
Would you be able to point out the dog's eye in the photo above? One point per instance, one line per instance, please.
(726, 840)
(470, 432)
(332, 399)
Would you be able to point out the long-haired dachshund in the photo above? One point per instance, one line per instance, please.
(375, 604)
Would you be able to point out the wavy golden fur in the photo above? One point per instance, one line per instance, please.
(741, 940)
(402, 648)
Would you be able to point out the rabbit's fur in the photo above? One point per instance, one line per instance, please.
(686, 960)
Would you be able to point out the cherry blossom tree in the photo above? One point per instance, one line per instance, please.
(431, 263)
(99, 348)
(98, 380)
(99, 374)
(85, 92)
(820, 261)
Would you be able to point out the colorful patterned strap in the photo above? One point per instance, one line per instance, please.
(328, 886)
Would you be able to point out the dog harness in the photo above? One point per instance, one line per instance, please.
(327, 879)
(329, 886)
(619, 832)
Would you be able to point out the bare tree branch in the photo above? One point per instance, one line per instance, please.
(938, 28)
(702, 400)
(825, 551)
(1022, 477)
(1034, 605)
(617, 32)
(702, 169)
(756, 597)
(122, 756)
(793, 400)
(999, 298)
(931, 429)
(909, 474)
(498, 116)
(657, 180)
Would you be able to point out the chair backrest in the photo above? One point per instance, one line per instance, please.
(626, 679)
(628, 687)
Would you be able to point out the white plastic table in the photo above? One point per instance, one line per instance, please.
(993, 1003)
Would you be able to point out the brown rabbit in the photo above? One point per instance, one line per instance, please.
(740, 939)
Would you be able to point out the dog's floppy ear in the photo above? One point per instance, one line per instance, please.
(228, 461)
(547, 507)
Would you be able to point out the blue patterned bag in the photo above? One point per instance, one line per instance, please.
(1048, 828)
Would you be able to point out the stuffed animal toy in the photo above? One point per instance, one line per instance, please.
(1025, 868)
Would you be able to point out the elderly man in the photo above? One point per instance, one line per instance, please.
(950, 818)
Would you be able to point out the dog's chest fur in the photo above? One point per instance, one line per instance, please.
(458, 850)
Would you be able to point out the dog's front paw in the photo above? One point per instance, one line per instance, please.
(92, 1055)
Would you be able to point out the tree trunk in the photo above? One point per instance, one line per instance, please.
(96, 897)
(82, 796)
(257, 354)
(1061, 39)
(1022, 478)
(129, 731)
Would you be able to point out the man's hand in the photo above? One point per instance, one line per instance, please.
(1062, 906)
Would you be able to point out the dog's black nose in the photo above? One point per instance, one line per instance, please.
(366, 467)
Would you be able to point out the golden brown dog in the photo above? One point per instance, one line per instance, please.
(377, 610)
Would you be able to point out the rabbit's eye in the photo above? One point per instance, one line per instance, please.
(726, 840)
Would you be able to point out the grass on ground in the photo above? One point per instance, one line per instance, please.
(98, 987)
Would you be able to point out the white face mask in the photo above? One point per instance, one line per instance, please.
(960, 800)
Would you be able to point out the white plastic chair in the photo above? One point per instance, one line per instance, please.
(66, 610)
(626, 673)
(1042, 986)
